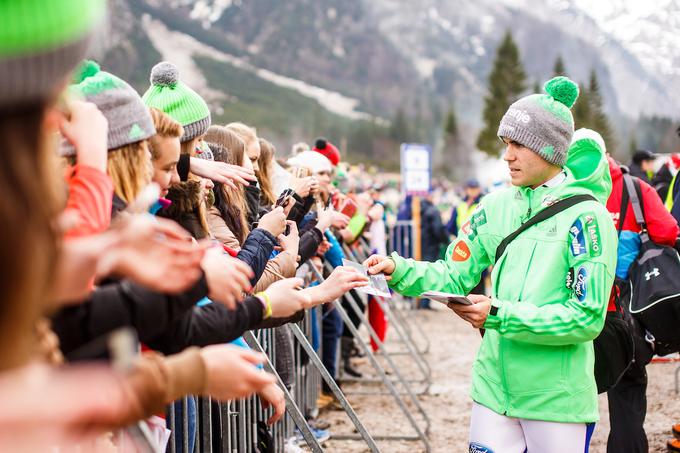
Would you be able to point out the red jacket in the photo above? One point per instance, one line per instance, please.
(662, 227)
(90, 195)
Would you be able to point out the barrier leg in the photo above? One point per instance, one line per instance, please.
(291, 407)
(334, 388)
(380, 370)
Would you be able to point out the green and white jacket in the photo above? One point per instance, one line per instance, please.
(550, 289)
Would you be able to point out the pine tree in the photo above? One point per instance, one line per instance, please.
(457, 159)
(632, 144)
(581, 109)
(598, 118)
(506, 82)
(559, 69)
(399, 129)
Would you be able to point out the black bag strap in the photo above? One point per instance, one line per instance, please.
(623, 210)
(541, 216)
(635, 192)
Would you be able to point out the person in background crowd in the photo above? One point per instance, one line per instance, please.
(664, 177)
(627, 399)
(432, 235)
(461, 214)
(642, 165)
(462, 211)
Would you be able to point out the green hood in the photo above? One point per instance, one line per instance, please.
(587, 163)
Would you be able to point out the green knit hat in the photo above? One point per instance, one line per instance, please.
(543, 122)
(40, 42)
(172, 96)
(129, 119)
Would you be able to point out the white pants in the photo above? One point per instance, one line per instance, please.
(494, 433)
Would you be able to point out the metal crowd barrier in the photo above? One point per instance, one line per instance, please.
(233, 427)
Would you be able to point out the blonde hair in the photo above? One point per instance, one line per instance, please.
(130, 169)
(246, 133)
(264, 176)
(166, 127)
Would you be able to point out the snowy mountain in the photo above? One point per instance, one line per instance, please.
(375, 56)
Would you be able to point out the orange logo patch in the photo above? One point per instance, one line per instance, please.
(461, 252)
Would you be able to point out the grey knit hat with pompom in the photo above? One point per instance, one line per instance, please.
(543, 123)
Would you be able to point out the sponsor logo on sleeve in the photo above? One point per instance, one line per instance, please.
(466, 227)
(593, 231)
(569, 280)
(461, 252)
(581, 284)
(577, 244)
(479, 448)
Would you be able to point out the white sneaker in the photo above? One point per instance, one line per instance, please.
(291, 446)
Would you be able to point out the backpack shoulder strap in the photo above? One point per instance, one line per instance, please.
(623, 210)
(541, 216)
(635, 192)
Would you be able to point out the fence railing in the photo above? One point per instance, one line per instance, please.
(204, 425)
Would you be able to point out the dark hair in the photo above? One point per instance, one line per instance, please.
(234, 216)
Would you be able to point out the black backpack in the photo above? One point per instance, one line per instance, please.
(654, 280)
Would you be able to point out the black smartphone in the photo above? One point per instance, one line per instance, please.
(283, 198)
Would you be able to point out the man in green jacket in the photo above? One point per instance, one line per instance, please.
(533, 383)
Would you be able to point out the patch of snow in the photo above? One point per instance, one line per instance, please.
(179, 48)
(425, 66)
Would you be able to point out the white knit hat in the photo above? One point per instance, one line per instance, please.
(316, 162)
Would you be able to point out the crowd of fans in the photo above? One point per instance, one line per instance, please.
(134, 217)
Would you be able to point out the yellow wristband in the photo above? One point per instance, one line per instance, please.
(267, 304)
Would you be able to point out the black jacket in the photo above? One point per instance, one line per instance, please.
(165, 323)
(301, 208)
(433, 231)
(116, 305)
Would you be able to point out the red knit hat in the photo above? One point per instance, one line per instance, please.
(329, 150)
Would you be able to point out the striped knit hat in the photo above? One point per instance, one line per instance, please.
(129, 119)
(40, 42)
(172, 96)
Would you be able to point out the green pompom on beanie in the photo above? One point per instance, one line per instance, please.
(543, 122)
(41, 42)
(173, 97)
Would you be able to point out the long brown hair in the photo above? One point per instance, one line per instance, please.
(264, 176)
(130, 169)
(29, 206)
(229, 148)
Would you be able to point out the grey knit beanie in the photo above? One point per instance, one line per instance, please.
(129, 119)
(543, 123)
(40, 42)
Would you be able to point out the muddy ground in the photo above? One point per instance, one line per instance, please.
(453, 344)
